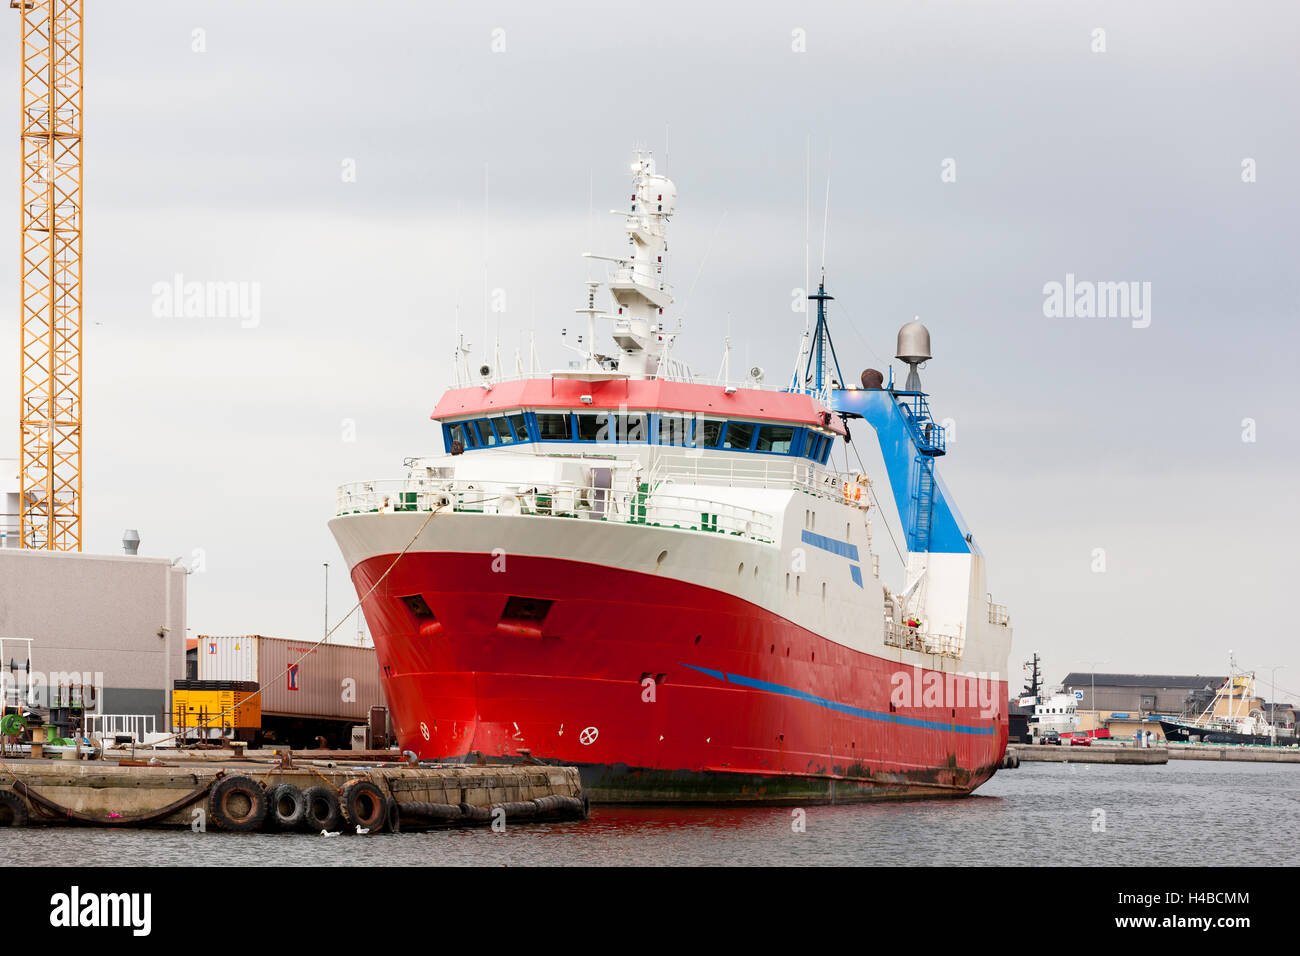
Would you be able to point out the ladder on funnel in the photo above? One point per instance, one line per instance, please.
(918, 532)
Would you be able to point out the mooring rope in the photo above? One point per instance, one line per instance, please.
(328, 633)
(67, 813)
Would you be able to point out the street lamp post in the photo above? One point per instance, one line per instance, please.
(1092, 694)
(1272, 703)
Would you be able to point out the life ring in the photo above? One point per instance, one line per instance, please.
(237, 804)
(13, 809)
(363, 805)
(852, 493)
(286, 808)
(322, 809)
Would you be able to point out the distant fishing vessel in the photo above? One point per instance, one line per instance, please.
(664, 580)
(1232, 717)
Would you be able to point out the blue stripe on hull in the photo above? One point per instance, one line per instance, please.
(770, 688)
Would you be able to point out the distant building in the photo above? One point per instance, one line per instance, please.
(1140, 693)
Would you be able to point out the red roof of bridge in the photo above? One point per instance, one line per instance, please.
(635, 395)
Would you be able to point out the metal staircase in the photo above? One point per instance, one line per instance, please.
(918, 531)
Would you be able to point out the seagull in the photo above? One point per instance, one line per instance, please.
(361, 831)
(326, 833)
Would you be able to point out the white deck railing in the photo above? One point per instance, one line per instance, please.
(752, 471)
(909, 638)
(558, 499)
(140, 727)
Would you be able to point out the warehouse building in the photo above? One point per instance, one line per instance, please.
(1138, 693)
(110, 626)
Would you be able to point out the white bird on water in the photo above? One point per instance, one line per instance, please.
(326, 833)
(361, 831)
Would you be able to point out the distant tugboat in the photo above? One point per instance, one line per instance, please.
(1045, 714)
(1237, 722)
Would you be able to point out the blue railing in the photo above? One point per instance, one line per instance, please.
(926, 432)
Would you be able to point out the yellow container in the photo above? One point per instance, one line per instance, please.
(218, 705)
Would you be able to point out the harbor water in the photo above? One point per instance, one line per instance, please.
(1183, 813)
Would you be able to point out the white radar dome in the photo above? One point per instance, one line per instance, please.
(659, 195)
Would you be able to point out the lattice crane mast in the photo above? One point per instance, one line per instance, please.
(49, 126)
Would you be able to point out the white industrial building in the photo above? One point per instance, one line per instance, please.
(111, 625)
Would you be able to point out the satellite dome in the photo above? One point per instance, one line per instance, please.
(658, 194)
(913, 343)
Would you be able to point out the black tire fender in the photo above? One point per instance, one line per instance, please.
(286, 808)
(322, 812)
(363, 805)
(13, 809)
(237, 803)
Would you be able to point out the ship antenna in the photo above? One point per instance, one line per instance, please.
(532, 332)
(826, 216)
(807, 223)
(486, 292)
(724, 372)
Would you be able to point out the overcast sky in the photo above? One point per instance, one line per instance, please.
(476, 168)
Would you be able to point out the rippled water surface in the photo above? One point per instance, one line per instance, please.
(1187, 812)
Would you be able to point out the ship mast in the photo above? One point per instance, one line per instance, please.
(637, 286)
(817, 376)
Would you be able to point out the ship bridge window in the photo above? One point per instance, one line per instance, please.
(775, 439)
(505, 435)
(487, 432)
(593, 427)
(674, 430)
(632, 427)
(817, 447)
(552, 426)
(739, 435)
(708, 433)
(519, 425)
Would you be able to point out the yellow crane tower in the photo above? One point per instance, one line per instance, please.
(49, 127)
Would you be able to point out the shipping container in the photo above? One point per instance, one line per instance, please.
(214, 709)
(297, 678)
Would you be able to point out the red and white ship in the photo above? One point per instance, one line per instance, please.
(664, 582)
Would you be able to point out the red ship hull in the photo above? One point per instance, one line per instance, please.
(658, 689)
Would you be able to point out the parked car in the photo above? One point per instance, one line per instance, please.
(1079, 740)
(1051, 737)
